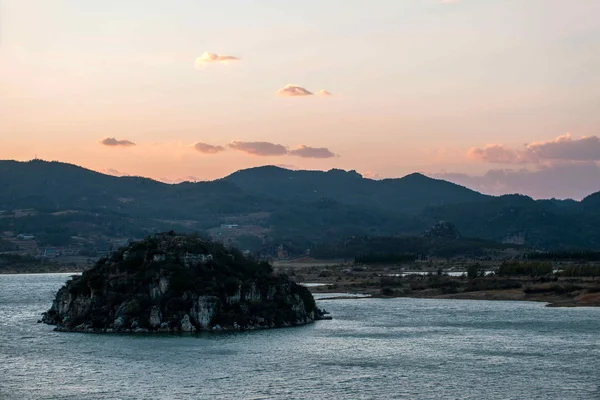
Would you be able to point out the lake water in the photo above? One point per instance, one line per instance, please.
(372, 349)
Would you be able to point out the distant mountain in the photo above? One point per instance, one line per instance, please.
(592, 203)
(538, 223)
(297, 208)
(409, 194)
(59, 186)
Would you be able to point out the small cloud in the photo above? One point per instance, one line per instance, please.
(113, 172)
(208, 148)
(293, 91)
(324, 93)
(286, 166)
(259, 148)
(311, 152)
(112, 142)
(178, 180)
(372, 175)
(209, 58)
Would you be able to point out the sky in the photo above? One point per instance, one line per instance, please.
(502, 96)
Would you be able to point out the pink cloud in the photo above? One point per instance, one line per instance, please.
(208, 148)
(311, 152)
(566, 148)
(113, 172)
(371, 175)
(496, 154)
(259, 148)
(292, 90)
(286, 166)
(563, 148)
(559, 180)
(179, 179)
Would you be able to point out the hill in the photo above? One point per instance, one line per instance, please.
(58, 186)
(409, 194)
(545, 224)
(265, 208)
(172, 282)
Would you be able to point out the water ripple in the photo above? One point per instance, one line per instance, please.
(372, 349)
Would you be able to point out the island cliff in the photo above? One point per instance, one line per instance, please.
(179, 283)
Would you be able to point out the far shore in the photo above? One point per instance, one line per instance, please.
(392, 281)
(376, 282)
(585, 300)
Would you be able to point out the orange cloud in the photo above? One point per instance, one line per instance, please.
(311, 152)
(324, 93)
(112, 142)
(208, 148)
(292, 90)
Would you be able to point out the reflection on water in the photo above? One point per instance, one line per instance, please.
(426, 273)
(314, 284)
(372, 349)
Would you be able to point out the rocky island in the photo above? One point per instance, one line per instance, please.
(179, 283)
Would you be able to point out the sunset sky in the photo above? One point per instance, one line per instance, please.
(502, 96)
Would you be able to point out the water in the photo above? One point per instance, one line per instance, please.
(372, 349)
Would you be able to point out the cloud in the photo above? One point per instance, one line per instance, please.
(179, 179)
(450, 1)
(495, 153)
(566, 148)
(259, 148)
(563, 148)
(208, 148)
(286, 166)
(324, 93)
(311, 152)
(559, 180)
(266, 149)
(371, 175)
(211, 58)
(293, 91)
(113, 172)
(112, 142)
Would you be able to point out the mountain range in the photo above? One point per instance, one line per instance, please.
(276, 205)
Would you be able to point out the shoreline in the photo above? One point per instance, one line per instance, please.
(395, 281)
(38, 272)
(369, 290)
(585, 300)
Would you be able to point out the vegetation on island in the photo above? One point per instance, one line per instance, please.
(171, 282)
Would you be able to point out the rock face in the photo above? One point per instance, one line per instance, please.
(178, 283)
